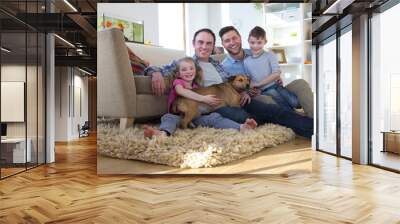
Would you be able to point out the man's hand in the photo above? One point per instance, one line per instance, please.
(254, 92)
(157, 83)
(211, 100)
(244, 99)
(254, 85)
(279, 81)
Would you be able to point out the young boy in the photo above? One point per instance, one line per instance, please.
(263, 69)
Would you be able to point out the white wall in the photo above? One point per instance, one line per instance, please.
(82, 83)
(243, 16)
(62, 81)
(215, 20)
(171, 36)
(16, 72)
(67, 120)
(33, 126)
(61, 103)
(147, 12)
(196, 18)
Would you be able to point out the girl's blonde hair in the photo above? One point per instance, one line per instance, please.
(198, 78)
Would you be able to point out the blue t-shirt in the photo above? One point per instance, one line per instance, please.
(233, 66)
(260, 67)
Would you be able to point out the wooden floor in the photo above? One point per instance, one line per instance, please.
(10, 171)
(387, 159)
(69, 191)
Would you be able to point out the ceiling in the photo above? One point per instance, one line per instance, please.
(77, 24)
(329, 15)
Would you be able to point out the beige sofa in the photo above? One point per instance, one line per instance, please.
(127, 97)
(120, 94)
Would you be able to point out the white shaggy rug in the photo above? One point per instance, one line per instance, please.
(190, 148)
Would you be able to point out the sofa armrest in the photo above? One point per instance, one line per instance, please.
(304, 94)
(143, 84)
(116, 95)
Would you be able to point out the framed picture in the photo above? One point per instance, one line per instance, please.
(133, 31)
(280, 54)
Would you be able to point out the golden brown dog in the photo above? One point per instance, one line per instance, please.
(228, 92)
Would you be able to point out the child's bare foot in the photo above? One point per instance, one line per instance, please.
(299, 110)
(248, 125)
(149, 132)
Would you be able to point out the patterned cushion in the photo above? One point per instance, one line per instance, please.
(138, 65)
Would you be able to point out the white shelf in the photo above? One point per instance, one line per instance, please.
(283, 25)
(281, 20)
(289, 64)
(284, 46)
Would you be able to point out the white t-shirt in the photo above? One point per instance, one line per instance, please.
(211, 75)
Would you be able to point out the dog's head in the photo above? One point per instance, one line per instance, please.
(240, 82)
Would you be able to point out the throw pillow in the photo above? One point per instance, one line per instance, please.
(138, 65)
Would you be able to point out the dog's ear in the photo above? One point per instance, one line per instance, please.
(231, 78)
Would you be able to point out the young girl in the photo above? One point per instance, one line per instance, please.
(189, 76)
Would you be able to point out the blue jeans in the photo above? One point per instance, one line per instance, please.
(170, 122)
(234, 113)
(282, 96)
(270, 113)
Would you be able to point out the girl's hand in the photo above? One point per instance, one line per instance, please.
(211, 100)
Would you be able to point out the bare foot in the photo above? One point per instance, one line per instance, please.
(149, 132)
(299, 110)
(248, 125)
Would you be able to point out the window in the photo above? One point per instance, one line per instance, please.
(385, 84)
(22, 65)
(171, 22)
(346, 94)
(327, 96)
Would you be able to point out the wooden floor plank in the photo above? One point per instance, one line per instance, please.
(70, 191)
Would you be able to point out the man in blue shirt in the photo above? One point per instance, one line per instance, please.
(234, 63)
(232, 42)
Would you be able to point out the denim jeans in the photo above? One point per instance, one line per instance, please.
(170, 122)
(270, 113)
(282, 96)
(234, 113)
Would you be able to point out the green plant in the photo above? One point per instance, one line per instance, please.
(259, 6)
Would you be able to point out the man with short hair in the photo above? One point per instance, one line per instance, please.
(234, 64)
(203, 43)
